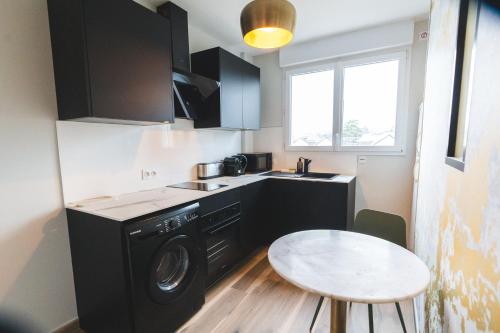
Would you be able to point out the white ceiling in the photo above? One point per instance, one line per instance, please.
(315, 18)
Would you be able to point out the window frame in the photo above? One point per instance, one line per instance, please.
(469, 11)
(288, 116)
(338, 65)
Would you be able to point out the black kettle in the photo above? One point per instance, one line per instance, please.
(235, 165)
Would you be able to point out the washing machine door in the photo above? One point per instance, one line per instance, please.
(173, 269)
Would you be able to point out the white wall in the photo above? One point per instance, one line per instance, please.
(103, 159)
(384, 182)
(35, 268)
(350, 43)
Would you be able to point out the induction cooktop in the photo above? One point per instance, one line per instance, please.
(198, 186)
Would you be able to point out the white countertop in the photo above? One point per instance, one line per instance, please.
(130, 205)
(349, 266)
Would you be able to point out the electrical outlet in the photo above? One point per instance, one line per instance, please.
(147, 174)
(423, 35)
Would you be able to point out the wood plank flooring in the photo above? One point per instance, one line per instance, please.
(255, 299)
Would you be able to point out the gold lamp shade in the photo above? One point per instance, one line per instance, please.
(268, 24)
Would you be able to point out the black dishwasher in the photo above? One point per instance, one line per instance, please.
(221, 230)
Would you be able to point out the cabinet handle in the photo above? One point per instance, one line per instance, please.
(228, 224)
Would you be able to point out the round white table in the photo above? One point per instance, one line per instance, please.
(348, 267)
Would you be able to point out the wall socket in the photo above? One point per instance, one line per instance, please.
(147, 174)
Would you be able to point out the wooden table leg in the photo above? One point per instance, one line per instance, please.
(338, 317)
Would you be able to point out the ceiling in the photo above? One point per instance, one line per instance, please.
(315, 18)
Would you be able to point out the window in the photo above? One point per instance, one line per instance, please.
(350, 105)
(311, 108)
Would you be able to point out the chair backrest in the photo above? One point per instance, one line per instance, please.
(383, 225)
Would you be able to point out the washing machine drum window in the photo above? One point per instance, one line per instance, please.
(172, 268)
(175, 266)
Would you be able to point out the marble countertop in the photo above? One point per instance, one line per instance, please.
(349, 266)
(130, 205)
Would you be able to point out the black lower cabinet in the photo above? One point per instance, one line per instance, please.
(254, 214)
(102, 285)
(273, 223)
(276, 207)
(313, 205)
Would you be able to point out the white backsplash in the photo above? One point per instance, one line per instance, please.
(106, 159)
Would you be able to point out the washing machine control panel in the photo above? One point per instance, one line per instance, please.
(159, 225)
(174, 222)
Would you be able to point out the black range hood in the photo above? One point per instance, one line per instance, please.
(193, 94)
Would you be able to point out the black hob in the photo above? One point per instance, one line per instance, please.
(198, 186)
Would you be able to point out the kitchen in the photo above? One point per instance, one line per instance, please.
(134, 124)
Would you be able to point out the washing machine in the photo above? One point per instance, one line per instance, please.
(168, 269)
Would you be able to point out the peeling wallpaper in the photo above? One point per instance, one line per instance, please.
(458, 213)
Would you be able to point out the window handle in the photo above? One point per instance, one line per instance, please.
(337, 140)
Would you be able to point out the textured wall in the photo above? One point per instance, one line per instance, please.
(458, 213)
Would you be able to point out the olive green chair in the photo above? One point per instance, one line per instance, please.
(383, 225)
(387, 226)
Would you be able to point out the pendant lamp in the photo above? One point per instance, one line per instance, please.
(267, 24)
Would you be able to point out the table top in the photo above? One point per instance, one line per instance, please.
(349, 266)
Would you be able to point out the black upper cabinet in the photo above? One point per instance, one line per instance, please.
(251, 96)
(112, 61)
(178, 18)
(240, 89)
(231, 110)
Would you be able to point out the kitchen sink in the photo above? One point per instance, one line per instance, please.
(319, 175)
(312, 175)
(282, 174)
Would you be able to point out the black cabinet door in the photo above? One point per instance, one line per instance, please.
(323, 206)
(253, 216)
(240, 89)
(276, 223)
(129, 61)
(231, 91)
(292, 213)
(251, 96)
(178, 18)
(69, 58)
(306, 205)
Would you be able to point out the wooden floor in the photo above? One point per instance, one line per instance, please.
(255, 299)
